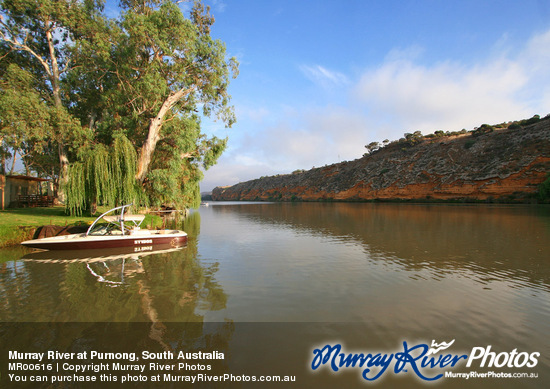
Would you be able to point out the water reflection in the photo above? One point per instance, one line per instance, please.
(494, 242)
(478, 274)
(161, 285)
(113, 300)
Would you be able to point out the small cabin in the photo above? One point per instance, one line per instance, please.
(25, 191)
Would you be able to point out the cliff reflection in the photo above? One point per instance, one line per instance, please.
(510, 240)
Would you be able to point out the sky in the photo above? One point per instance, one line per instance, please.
(320, 79)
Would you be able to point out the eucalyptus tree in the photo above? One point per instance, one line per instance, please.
(37, 36)
(168, 67)
(127, 94)
(25, 121)
(162, 72)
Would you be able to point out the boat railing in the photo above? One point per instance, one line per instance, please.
(118, 219)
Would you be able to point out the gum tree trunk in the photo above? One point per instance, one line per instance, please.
(153, 136)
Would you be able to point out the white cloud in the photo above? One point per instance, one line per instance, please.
(256, 114)
(322, 76)
(230, 171)
(219, 5)
(301, 140)
(445, 96)
(306, 138)
(451, 95)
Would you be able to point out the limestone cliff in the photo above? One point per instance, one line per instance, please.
(505, 164)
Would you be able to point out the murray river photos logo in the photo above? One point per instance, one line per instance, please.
(429, 363)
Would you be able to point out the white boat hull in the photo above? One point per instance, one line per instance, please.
(141, 239)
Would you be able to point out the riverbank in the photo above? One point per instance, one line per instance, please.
(19, 224)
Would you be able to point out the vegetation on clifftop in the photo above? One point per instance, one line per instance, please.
(416, 137)
(507, 162)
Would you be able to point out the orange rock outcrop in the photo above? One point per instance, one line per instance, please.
(505, 165)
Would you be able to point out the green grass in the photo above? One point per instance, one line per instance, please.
(17, 217)
(19, 224)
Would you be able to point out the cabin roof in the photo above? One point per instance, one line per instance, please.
(26, 178)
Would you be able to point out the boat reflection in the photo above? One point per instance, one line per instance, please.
(135, 253)
(110, 267)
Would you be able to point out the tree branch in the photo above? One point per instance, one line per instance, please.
(155, 127)
(15, 45)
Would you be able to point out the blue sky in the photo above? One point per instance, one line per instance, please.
(320, 79)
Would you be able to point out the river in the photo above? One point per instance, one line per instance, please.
(269, 283)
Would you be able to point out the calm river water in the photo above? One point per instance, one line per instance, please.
(267, 284)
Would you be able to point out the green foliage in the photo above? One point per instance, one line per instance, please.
(483, 129)
(469, 143)
(175, 173)
(414, 138)
(533, 120)
(37, 36)
(544, 190)
(372, 147)
(115, 100)
(25, 120)
(104, 175)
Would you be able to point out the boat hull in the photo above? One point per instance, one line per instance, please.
(173, 238)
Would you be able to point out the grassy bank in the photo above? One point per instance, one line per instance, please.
(19, 224)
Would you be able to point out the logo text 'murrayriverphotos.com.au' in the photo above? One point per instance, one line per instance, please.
(424, 361)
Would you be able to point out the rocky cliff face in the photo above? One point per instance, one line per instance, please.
(505, 164)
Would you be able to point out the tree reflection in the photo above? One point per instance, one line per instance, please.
(154, 300)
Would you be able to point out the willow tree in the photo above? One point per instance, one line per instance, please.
(103, 174)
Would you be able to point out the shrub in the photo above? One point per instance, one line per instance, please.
(484, 129)
(533, 120)
(372, 147)
(414, 138)
(469, 143)
(544, 189)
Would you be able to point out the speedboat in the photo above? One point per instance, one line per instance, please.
(122, 230)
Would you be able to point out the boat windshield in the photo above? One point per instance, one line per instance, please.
(120, 224)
